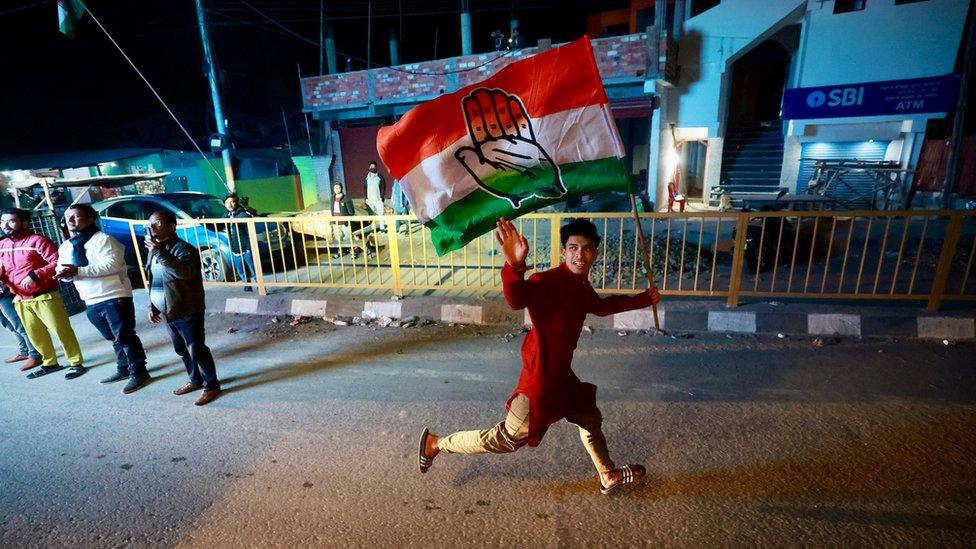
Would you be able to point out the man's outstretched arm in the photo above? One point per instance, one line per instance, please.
(620, 303)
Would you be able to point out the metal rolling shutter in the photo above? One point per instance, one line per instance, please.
(843, 150)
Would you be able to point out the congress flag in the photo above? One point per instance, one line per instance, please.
(535, 133)
(69, 12)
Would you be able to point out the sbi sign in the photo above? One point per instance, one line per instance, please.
(914, 95)
(837, 97)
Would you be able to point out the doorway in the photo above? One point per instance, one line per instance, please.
(758, 82)
(691, 168)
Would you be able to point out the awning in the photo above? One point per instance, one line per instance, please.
(635, 107)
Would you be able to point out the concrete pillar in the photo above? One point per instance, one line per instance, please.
(654, 156)
(713, 166)
(792, 150)
(338, 168)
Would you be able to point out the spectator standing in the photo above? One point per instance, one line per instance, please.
(11, 321)
(176, 295)
(95, 262)
(498, 40)
(342, 231)
(239, 240)
(515, 41)
(27, 265)
(375, 191)
(400, 205)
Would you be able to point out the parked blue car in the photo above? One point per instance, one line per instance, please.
(215, 252)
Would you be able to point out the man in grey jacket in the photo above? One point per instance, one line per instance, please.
(175, 285)
(95, 262)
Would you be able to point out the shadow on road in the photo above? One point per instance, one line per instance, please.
(292, 370)
(918, 463)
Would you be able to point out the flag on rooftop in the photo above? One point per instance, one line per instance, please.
(535, 133)
(69, 12)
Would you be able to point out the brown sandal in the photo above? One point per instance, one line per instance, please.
(423, 461)
(629, 473)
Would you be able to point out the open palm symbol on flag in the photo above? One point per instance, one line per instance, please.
(505, 159)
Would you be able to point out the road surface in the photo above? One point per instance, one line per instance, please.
(748, 441)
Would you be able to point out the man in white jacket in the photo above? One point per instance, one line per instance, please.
(96, 263)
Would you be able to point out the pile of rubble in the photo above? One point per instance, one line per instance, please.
(384, 321)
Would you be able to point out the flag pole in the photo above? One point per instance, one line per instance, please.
(648, 267)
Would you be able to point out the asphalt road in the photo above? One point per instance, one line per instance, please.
(748, 441)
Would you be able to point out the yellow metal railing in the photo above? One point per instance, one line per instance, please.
(882, 255)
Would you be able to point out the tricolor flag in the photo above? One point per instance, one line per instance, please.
(533, 134)
(69, 12)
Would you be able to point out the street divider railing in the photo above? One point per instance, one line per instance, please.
(875, 255)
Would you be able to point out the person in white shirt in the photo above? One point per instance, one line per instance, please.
(95, 262)
(375, 189)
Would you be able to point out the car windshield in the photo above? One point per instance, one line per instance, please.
(201, 207)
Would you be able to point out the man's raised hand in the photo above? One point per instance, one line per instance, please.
(513, 245)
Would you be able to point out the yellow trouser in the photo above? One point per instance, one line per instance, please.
(511, 434)
(44, 314)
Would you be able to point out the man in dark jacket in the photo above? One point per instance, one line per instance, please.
(344, 231)
(175, 285)
(240, 240)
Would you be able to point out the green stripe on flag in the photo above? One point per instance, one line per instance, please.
(477, 213)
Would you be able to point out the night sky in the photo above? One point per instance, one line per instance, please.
(61, 94)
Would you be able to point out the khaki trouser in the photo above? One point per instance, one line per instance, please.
(44, 314)
(511, 434)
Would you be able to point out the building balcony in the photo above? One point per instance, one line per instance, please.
(625, 64)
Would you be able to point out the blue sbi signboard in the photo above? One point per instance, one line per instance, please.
(912, 96)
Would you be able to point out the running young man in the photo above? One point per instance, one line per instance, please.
(548, 390)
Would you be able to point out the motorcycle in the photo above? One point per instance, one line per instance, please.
(769, 240)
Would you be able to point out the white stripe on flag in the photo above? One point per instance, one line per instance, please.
(574, 135)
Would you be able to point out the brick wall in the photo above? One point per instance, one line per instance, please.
(617, 57)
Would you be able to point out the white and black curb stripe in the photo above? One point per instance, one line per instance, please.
(944, 327)
(243, 305)
(834, 324)
(377, 309)
(462, 314)
(308, 307)
(729, 321)
(638, 319)
(691, 319)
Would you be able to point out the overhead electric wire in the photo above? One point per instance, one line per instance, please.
(374, 65)
(153, 90)
(13, 10)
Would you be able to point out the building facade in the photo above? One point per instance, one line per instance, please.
(718, 95)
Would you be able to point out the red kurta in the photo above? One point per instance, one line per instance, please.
(558, 301)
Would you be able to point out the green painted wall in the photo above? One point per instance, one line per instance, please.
(214, 185)
(266, 195)
(272, 194)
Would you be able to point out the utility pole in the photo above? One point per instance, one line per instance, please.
(327, 41)
(369, 36)
(952, 166)
(321, 35)
(466, 48)
(215, 94)
(394, 49)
